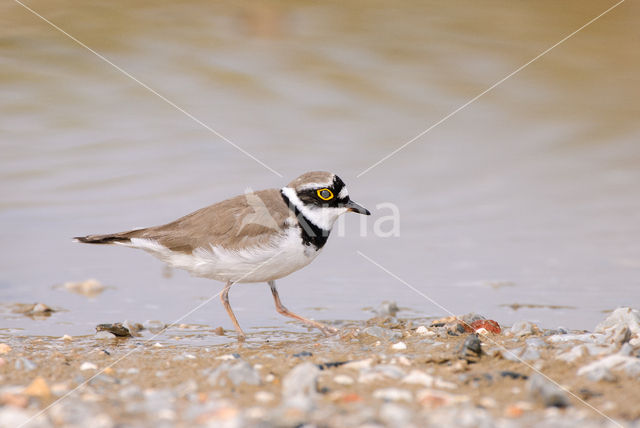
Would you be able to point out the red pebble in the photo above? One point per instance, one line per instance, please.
(489, 325)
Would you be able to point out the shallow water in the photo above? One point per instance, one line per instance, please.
(527, 196)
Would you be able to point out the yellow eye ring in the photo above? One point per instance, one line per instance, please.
(325, 194)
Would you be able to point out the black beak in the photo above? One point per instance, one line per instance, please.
(356, 208)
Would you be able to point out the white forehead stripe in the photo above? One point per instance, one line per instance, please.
(343, 193)
(314, 185)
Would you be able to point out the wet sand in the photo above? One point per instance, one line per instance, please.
(386, 371)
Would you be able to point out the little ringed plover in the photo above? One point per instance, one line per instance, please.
(256, 237)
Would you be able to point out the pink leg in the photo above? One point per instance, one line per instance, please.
(284, 311)
(225, 301)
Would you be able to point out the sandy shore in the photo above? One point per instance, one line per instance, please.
(387, 371)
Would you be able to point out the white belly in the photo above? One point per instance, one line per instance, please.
(284, 255)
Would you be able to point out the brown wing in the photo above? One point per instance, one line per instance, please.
(243, 221)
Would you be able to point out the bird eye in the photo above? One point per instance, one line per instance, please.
(325, 194)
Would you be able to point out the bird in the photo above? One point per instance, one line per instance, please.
(259, 236)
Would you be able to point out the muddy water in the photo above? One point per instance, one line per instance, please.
(528, 196)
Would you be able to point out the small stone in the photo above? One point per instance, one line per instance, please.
(433, 398)
(133, 327)
(237, 373)
(394, 415)
(601, 369)
(264, 397)
(513, 411)
(4, 348)
(559, 330)
(573, 354)
(89, 288)
(38, 388)
(400, 346)
(546, 392)
(66, 338)
(422, 378)
(25, 364)
(488, 402)
(382, 333)
(380, 372)
(535, 342)
(154, 326)
(360, 364)
(619, 319)
(117, 329)
(243, 372)
(524, 328)
(130, 392)
(422, 330)
(530, 354)
(15, 400)
(343, 380)
(459, 366)
(219, 331)
(228, 357)
(40, 308)
(387, 309)
(88, 366)
(299, 386)
(104, 335)
(303, 354)
(471, 349)
(393, 394)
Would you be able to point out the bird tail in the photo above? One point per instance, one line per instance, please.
(113, 238)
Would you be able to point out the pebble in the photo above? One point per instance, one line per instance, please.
(104, 335)
(40, 308)
(303, 354)
(382, 333)
(601, 369)
(154, 326)
(433, 398)
(387, 309)
(38, 388)
(359, 364)
(228, 357)
(380, 372)
(535, 342)
(546, 392)
(88, 366)
(25, 364)
(238, 373)
(118, 329)
(423, 331)
(264, 397)
(419, 377)
(343, 380)
(88, 288)
(471, 349)
(524, 328)
(559, 330)
(400, 346)
(530, 354)
(299, 386)
(620, 319)
(394, 415)
(393, 394)
(4, 348)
